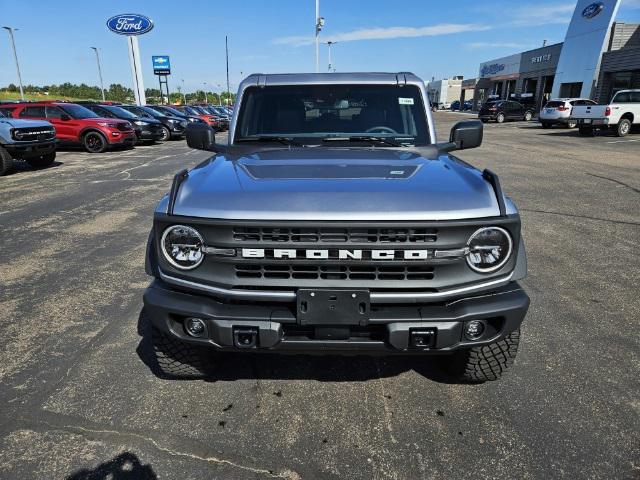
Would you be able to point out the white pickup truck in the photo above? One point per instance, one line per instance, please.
(619, 116)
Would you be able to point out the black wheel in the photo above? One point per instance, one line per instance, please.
(482, 364)
(585, 131)
(166, 134)
(500, 118)
(572, 124)
(43, 161)
(528, 116)
(545, 124)
(6, 162)
(175, 359)
(94, 142)
(624, 127)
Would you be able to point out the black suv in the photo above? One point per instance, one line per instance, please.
(148, 130)
(502, 110)
(172, 127)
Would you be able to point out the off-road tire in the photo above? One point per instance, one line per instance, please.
(178, 360)
(486, 363)
(500, 118)
(586, 131)
(6, 162)
(94, 142)
(43, 161)
(166, 134)
(623, 128)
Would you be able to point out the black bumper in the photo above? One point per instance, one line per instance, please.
(388, 331)
(149, 134)
(30, 150)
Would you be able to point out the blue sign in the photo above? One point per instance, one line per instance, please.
(130, 24)
(161, 64)
(492, 69)
(592, 10)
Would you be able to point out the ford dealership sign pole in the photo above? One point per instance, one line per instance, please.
(132, 25)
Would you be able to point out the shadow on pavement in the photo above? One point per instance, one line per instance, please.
(325, 368)
(125, 466)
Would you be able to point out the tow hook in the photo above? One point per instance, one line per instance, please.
(245, 337)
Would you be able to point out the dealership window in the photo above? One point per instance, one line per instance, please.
(570, 90)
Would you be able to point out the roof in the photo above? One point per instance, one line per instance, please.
(330, 78)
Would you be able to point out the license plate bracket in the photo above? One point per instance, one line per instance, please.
(332, 307)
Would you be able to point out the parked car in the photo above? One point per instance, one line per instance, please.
(558, 111)
(148, 130)
(220, 114)
(503, 110)
(31, 140)
(273, 247)
(455, 105)
(202, 114)
(173, 127)
(77, 125)
(173, 111)
(622, 113)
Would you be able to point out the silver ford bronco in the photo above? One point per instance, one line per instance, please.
(333, 222)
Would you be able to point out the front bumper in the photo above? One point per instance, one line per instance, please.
(30, 150)
(388, 330)
(148, 134)
(118, 138)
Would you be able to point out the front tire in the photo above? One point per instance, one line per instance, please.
(624, 127)
(528, 116)
(6, 162)
(500, 118)
(486, 363)
(43, 161)
(166, 134)
(94, 142)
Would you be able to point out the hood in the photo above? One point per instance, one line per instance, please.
(17, 123)
(110, 120)
(377, 184)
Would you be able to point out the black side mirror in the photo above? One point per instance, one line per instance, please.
(201, 136)
(64, 117)
(466, 134)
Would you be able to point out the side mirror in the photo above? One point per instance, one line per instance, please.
(64, 117)
(201, 136)
(466, 134)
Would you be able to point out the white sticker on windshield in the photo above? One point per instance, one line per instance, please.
(405, 101)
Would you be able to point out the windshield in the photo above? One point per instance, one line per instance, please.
(199, 110)
(78, 111)
(189, 110)
(312, 113)
(153, 113)
(119, 112)
(2, 114)
(173, 111)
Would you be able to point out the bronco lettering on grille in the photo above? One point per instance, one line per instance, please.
(343, 254)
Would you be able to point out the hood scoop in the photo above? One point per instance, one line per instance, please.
(332, 171)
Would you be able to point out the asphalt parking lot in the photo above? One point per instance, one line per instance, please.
(79, 401)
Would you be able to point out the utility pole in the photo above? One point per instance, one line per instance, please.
(329, 43)
(206, 99)
(319, 25)
(184, 92)
(99, 73)
(226, 46)
(15, 56)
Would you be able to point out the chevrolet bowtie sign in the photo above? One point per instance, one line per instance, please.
(161, 64)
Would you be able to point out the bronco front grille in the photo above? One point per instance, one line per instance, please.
(34, 134)
(334, 272)
(334, 235)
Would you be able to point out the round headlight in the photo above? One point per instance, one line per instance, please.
(489, 248)
(182, 247)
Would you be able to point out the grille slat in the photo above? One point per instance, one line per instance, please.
(334, 272)
(336, 236)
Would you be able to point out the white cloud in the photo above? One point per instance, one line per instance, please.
(537, 15)
(386, 33)
(479, 45)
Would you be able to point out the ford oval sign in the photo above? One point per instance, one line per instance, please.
(592, 10)
(130, 24)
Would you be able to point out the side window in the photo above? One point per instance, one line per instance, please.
(622, 98)
(54, 112)
(635, 97)
(103, 112)
(33, 112)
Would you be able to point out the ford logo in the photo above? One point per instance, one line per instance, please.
(130, 24)
(592, 10)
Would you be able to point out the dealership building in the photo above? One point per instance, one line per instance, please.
(597, 58)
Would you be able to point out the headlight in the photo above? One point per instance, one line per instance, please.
(183, 123)
(139, 122)
(182, 247)
(108, 124)
(488, 249)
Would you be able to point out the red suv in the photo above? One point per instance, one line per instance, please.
(77, 125)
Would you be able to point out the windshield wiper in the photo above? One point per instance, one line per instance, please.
(363, 138)
(283, 140)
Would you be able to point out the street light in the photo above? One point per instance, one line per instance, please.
(206, 99)
(329, 43)
(319, 25)
(15, 56)
(99, 72)
(184, 92)
(220, 96)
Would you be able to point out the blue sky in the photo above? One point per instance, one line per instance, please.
(430, 38)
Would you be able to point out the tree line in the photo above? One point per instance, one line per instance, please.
(119, 93)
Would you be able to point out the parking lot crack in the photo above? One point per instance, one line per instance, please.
(563, 214)
(614, 181)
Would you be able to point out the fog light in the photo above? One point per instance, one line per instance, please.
(474, 329)
(194, 327)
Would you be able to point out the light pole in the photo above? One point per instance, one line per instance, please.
(206, 99)
(15, 56)
(319, 25)
(329, 43)
(99, 72)
(184, 92)
(220, 96)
